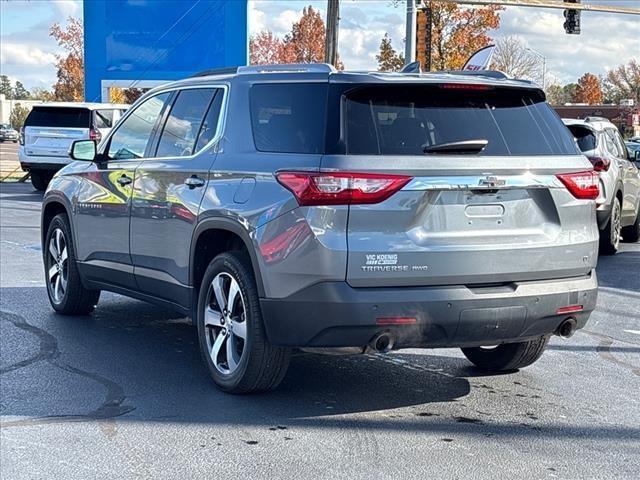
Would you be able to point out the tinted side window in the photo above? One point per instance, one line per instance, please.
(183, 125)
(209, 126)
(289, 118)
(132, 136)
(61, 117)
(103, 118)
(610, 142)
(585, 137)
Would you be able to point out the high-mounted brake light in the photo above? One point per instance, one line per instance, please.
(600, 164)
(465, 86)
(582, 185)
(341, 188)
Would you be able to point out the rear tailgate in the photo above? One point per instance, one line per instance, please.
(50, 131)
(487, 217)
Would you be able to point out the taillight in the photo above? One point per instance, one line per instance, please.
(21, 136)
(343, 188)
(94, 134)
(600, 164)
(582, 185)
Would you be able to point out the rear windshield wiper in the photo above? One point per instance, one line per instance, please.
(463, 146)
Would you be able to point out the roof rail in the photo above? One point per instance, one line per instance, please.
(288, 67)
(592, 118)
(216, 71)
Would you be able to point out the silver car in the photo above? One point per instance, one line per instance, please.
(51, 128)
(296, 206)
(619, 200)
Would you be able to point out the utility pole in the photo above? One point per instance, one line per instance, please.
(331, 37)
(424, 36)
(410, 41)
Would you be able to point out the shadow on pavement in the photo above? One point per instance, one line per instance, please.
(623, 261)
(140, 363)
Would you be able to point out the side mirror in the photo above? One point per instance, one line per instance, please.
(85, 150)
(636, 156)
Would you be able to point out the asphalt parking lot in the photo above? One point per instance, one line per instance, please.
(124, 393)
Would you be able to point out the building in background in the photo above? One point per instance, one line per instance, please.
(626, 116)
(131, 43)
(7, 106)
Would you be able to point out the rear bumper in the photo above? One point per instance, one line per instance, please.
(333, 314)
(37, 162)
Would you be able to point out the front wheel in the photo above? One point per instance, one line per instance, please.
(508, 356)
(231, 334)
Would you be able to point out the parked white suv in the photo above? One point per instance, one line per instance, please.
(51, 128)
(619, 202)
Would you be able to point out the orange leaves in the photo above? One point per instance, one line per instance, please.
(458, 32)
(70, 84)
(588, 90)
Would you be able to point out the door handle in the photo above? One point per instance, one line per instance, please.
(194, 181)
(124, 180)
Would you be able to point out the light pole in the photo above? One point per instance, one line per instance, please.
(544, 64)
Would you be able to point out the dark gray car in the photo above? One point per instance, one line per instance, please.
(296, 206)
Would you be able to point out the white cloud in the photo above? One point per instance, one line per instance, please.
(68, 8)
(23, 54)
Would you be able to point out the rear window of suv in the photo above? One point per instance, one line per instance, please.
(58, 117)
(406, 119)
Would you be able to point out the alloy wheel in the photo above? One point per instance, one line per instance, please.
(57, 265)
(225, 323)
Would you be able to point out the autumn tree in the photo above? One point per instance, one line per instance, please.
(70, 84)
(305, 43)
(133, 94)
(264, 48)
(41, 94)
(512, 57)
(457, 32)
(588, 90)
(624, 82)
(388, 59)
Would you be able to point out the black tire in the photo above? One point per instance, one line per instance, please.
(508, 356)
(40, 179)
(610, 234)
(74, 299)
(261, 366)
(632, 232)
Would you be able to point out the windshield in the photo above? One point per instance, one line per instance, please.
(409, 119)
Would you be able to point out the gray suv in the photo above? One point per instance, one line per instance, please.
(297, 206)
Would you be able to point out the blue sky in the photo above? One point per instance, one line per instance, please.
(27, 53)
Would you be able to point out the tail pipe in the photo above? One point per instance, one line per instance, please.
(567, 328)
(381, 343)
